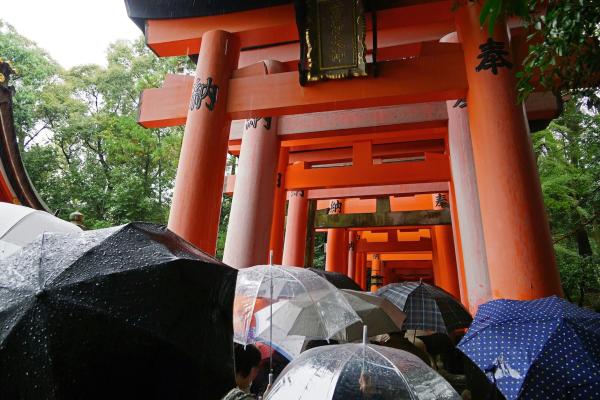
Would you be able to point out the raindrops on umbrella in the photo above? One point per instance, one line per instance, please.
(359, 371)
(118, 312)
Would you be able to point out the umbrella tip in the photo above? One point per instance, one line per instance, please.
(364, 334)
(271, 257)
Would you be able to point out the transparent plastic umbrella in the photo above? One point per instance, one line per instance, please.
(377, 313)
(298, 301)
(359, 371)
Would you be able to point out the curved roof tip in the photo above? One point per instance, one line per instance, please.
(15, 185)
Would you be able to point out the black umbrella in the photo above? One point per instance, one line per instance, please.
(427, 307)
(127, 312)
(338, 280)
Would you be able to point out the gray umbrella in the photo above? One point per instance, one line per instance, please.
(377, 313)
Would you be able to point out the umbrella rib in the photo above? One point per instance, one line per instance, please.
(18, 319)
(40, 261)
(412, 395)
(16, 224)
(60, 276)
(318, 313)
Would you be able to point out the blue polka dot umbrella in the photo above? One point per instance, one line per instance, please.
(539, 349)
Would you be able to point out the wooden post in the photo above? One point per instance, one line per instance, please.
(295, 230)
(376, 278)
(445, 274)
(336, 242)
(351, 255)
(278, 224)
(518, 244)
(198, 189)
(309, 252)
(467, 209)
(251, 217)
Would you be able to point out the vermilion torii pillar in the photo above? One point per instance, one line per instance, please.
(361, 269)
(445, 273)
(351, 255)
(336, 243)
(250, 221)
(295, 230)
(375, 272)
(277, 226)
(249, 230)
(518, 244)
(196, 203)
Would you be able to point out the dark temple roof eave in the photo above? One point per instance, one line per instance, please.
(142, 10)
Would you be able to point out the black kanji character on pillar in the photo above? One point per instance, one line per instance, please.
(335, 207)
(492, 56)
(441, 200)
(200, 91)
(253, 122)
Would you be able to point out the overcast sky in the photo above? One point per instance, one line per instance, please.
(74, 32)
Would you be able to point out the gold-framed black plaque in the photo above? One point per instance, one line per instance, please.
(332, 40)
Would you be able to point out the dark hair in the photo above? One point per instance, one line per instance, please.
(246, 358)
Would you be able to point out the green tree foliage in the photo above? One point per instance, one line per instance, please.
(35, 71)
(568, 156)
(564, 53)
(83, 148)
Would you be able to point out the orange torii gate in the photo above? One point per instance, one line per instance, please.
(499, 225)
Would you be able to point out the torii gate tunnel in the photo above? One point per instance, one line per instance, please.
(405, 143)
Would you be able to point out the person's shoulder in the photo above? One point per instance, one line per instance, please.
(238, 394)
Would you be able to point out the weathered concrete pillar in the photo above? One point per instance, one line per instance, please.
(468, 223)
(249, 230)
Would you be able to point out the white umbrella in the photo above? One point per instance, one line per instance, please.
(303, 304)
(20, 225)
(377, 313)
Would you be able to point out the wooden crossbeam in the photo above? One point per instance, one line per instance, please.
(428, 78)
(393, 246)
(434, 168)
(399, 218)
(436, 77)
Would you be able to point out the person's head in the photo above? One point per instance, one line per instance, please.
(247, 361)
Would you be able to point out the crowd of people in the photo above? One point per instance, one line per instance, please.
(437, 350)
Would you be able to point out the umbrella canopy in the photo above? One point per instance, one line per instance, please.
(20, 226)
(338, 280)
(126, 312)
(427, 307)
(358, 371)
(379, 314)
(304, 304)
(539, 349)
